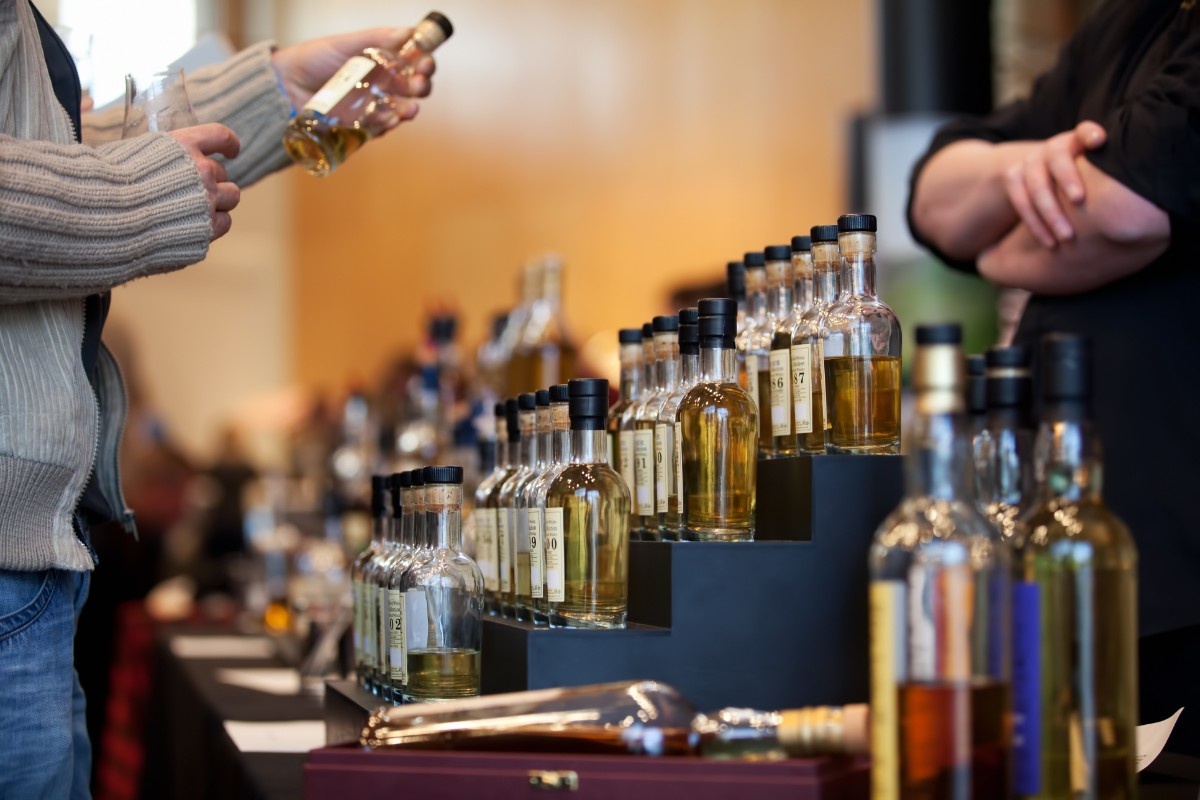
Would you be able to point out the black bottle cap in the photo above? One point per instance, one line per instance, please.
(498, 409)
(511, 419)
(440, 20)
(689, 339)
(647, 331)
(499, 322)
(717, 306)
(854, 223)
(778, 252)
(823, 234)
(442, 475)
(1013, 357)
(976, 385)
(379, 489)
(543, 398)
(1066, 368)
(801, 244)
(718, 322)
(665, 324)
(487, 456)
(415, 476)
(588, 403)
(943, 333)
(403, 478)
(396, 484)
(629, 336)
(735, 279)
(689, 316)
(559, 393)
(755, 260)
(526, 401)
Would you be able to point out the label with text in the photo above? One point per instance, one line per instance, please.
(643, 471)
(802, 387)
(625, 456)
(781, 393)
(485, 548)
(503, 543)
(537, 577)
(397, 652)
(345, 79)
(664, 473)
(555, 576)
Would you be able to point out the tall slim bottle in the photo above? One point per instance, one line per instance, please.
(391, 578)
(357, 567)
(862, 352)
(1076, 615)
(560, 449)
(546, 348)
(939, 609)
(735, 281)
(401, 547)
(718, 428)
(514, 544)
(668, 423)
(1004, 468)
(630, 352)
(643, 482)
(443, 602)
(808, 343)
(666, 356)
(756, 312)
(530, 556)
(519, 362)
(375, 665)
(399, 581)
(487, 555)
(779, 424)
(587, 514)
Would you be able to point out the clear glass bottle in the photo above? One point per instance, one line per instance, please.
(528, 530)
(560, 456)
(718, 429)
(802, 273)
(416, 549)
(808, 343)
(400, 547)
(390, 626)
(1075, 618)
(483, 517)
(491, 363)
(587, 523)
(642, 480)
(376, 666)
(756, 312)
(545, 348)
(668, 421)
(443, 601)
(518, 319)
(620, 458)
(651, 496)
(360, 100)
(357, 569)
(862, 352)
(514, 544)
(777, 427)
(939, 608)
(631, 718)
(1004, 465)
(977, 419)
(735, 281)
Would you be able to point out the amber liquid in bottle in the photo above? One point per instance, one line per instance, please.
(864, 403)
(442, 674)
(936, 761)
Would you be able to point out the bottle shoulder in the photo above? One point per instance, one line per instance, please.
(921, 521)
(1077, 528)
(711, 396)
(446, 568)
(586, 478)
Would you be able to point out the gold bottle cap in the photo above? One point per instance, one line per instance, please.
(824, 730)
(939, 370)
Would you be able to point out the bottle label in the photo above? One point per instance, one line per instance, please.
(752, 381)
(1026, 681)
(555, 579)
(397, 652)
(802, 387)
(625, 456)
(416, 623)
(679, 469)
(382, 633)
(537, 578)
(781, 393)
(887, 633)
(503, 540)
(370, 607)
(345, 79)
(664, 472)
(356, 592)
(643, 471)
(485, 548)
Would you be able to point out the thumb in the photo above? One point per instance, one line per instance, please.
(1091, 134)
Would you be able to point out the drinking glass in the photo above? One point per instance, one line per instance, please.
(159, 103)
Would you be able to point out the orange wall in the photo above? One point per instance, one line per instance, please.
(646, 141)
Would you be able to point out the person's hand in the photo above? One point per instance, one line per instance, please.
(1034, 183)
(304, 68)
(201, 143)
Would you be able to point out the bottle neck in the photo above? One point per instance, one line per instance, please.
(589, 446)
(779, 290)
(802, 288)
(859, 272)
(444, 516)
(1067, 456)
(529, 450)
(544, 444)
(826, 277)
(649, 373)
(631, 379)
(937, 467)
(689, 369)
(420, 523)
(668, 364)
(513, 455)
(718, 364)
(756, 301)
(381, 531)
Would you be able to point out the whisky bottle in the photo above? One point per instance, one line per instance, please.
(491, 362)
(1075, 620)
(735, 282)
(666, 434)
(443, 601)
(376, 667)
(643, 481)
(519, 364)
(628, 718)
(1004, 465)
(659, 440)
(357, 568)
(939, 608)
(514, 545)
(560, 450)
(777, 420)
(977, 419)
(360, 101)
(545, 348)
(620, 458)
(718, 430)
(401, 547)
(530, 554)
(587, 523)
(808, 343)
(756, 312)
(415, 548)
(483, 516)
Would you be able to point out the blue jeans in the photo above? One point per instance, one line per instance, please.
(44, 748)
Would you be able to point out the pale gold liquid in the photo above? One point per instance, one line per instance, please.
(646, 525)
(766, 442)
(814, 441)
(541, 367)
(718, 424)
(442, 674)
(524, 592)
(783, 445)
(595, 547)
(325, 146)
(864, 403)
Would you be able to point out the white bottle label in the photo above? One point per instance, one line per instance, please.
(625, 455)
(342, 82)
(886, 602)
(555, 579)
(356, 592)
(643, 471)
(752, 382)
(416, 622)
(504, 527)
(781, 393)
(485, 548)
(664, 472)
(802, 387)
(382, 634)
(679, 468)
(537, 578)
(397, 653)
(371, 609)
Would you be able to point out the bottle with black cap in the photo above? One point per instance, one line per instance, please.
(587, 523)
(756, 312)
(443, 601)
(373, 570)
(619, 458)
(401, 550)
(362, 100)
(940, 578)
(393, 549)
(560, 455)
(513, 542)
(666, 437)
(357, 569)
(545, 344)
(530, 289)
(502, 581)
(718, 429)
(1004, 461)
(802, 274)
(808, 342)
(528, 514)
(411, 548)
(735, 281)
(483, 516)
(641, 473)
(777, 431)
(648, 450)
(1075, 614)
(862, 352)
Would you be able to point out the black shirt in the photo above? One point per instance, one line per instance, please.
(1133, 67)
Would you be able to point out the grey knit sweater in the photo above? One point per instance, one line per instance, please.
(76, 220)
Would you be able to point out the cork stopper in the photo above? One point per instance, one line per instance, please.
(939, 370)
(432, 31)
(824, 730)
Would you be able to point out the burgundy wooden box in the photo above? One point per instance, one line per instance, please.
(339, 772)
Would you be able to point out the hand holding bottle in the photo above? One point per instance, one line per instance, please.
(202, 142)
